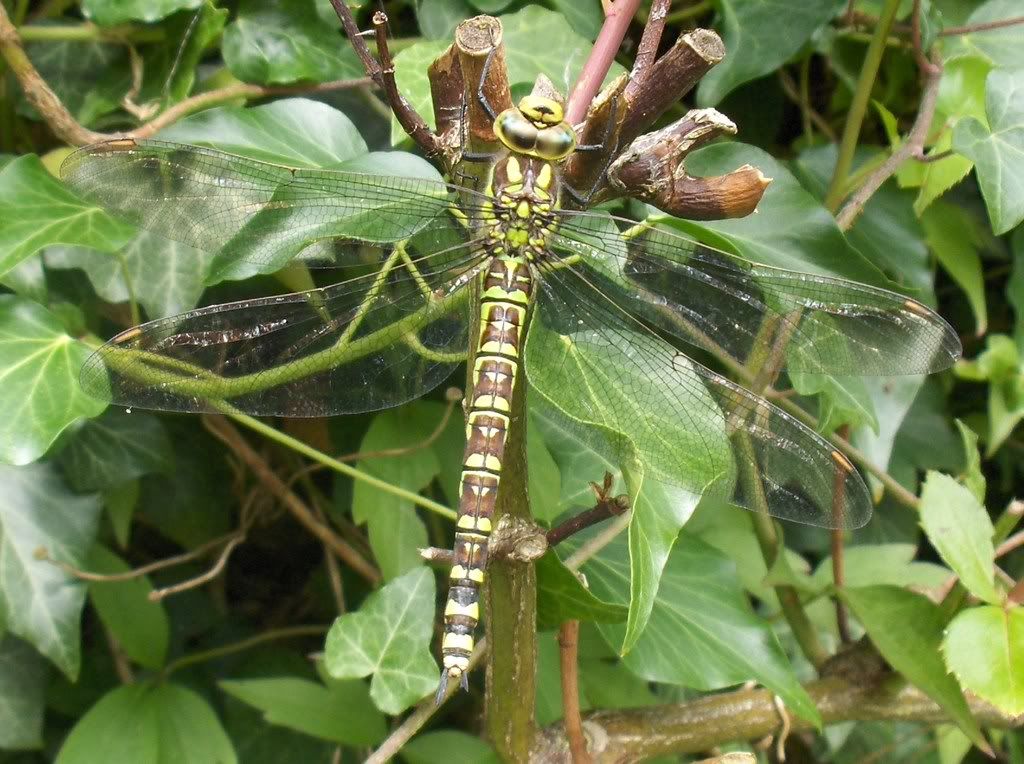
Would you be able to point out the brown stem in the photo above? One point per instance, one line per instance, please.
(606, 506)
(568, 655)
(700, 725)
(226, 432)
(196, 581)
(837, 534)
(647, 50)
(244, 644)
(982, 27)
(920, 56)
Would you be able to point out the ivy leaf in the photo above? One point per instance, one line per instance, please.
(340, 712)
(702, 633)
(296, 132)
(114, 448)
(790, 229)
(38, 211)
(396, 532)
(844, 400)
(1000, 47)
(448, 745)
(438, 18)
(90, 77)
(907, 629)
(167, 277)
(39, 367)
(960, 529)
(562, 597)
(140, 626)
(108, 13)
(760, 36)
(39, 601)
(891, 400)
(998, 149)
(148, 722)
(984, 647)
(388, 637)
(23, 681)
(951, 234)
(585, 16)
(285, 41)
(537, 41)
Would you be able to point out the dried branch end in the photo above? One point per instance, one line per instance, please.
(518, 540)
(475, 40)
(653, 170)
(447, 90)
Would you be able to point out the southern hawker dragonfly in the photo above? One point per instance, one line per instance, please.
(591, 307)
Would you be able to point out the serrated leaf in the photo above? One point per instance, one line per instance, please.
(39, 601)
(562, 597)
(341, 712)
(39, 367)
(116, 447)
(537, 41)
(140, 626)
(984, 647)
(285, 41)
(38, 211)
(110, 12)
(907, 630)
(388, 638)
(148, 722)
(23, 681)
(961, 531)
(949, 230)
(702, 633)
(396, 532)
(759, 36)
(997, 150)
(973, 477)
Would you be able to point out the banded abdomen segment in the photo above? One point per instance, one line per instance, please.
(503, 313)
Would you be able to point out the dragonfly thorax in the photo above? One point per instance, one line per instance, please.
(524, 191)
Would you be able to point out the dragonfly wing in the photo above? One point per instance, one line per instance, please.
(364, 344)
(619, 385)
(720, 302)
(255, 216)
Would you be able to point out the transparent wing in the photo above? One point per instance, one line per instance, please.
(720, 302)
(364, 344)
(619, 386)
(256, 216)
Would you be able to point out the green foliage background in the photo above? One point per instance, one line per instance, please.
(221, 672)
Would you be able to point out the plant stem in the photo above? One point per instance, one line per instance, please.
(329, 461)
(244, 644)
(89, 33)
(859, 104)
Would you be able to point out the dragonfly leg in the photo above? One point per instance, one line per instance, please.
(481, 97)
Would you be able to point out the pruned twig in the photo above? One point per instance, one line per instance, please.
(568, 661)
(605, 507)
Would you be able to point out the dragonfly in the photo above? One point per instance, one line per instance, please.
(594, 311)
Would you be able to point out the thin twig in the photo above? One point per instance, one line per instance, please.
(424, 712)
(122, 666)
(647, 50)
(984, 26)
(244, 644)
(605, 507)
(192, 583)
(568, 658)
(223, 430)
(789, 88)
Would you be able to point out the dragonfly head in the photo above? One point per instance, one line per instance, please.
(536, 127)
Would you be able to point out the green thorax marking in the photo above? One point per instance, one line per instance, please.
(525, 191)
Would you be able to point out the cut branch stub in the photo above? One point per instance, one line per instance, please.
(478, 42)
(447, 93)
(652, 170)
(603, 127)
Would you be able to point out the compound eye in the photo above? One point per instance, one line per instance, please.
(515, 131)
(556, 143)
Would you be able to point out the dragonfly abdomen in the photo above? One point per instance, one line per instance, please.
(503, 312)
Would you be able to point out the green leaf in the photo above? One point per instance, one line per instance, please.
(166, 277)
(297, 132)
(23, 681)
(396, 532)
(961, 531)
(585, 16)
(1015, 286)
(892, 399)
(537, 41)
(140, 626)
(877, 564)
(388, 637)
(545, 480)
(844, 400)
(984, 647)
(39, 601)
(341, 712)
(562, 597)
(1001, 47)
(907, 629)
(120, 502)
(171, 65)
(760, 36)
(38, 211)
(702, 633)
(490, 6)
(89, 77)
(998, 149)
(448, 745)
(39, 367)
(790, 228)
(108, 13)
(148, 722)
(973, 478)
(284, 41)
(438, 18)
(116, 447)
(951, 235)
